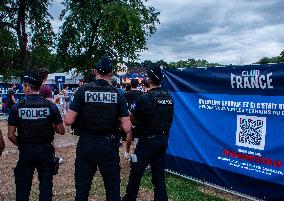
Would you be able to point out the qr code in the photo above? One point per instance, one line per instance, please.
(251, 131)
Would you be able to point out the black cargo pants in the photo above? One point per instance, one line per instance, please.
(39, 156)
(148, 151)
(93, 152)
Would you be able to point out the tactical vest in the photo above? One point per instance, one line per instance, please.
(160, 121)
(36, 123)
(99, 114)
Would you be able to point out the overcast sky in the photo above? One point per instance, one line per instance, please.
(220, 31)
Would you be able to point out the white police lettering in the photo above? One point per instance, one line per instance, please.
(34, 113)
(100, 97)
(165, 102)
(251, 79)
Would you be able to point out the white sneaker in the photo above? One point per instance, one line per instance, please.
(60, 160)
(148, 167)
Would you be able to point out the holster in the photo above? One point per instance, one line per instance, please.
(76, 127)
(55, 165)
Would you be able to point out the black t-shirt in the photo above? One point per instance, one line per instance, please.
(131, 97)
(144, 107)
(10, 101)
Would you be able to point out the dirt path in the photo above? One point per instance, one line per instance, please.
(64, 188)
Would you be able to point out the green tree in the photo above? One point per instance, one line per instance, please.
(93, 28)
(264, 60)
(191, 63)
(28, 23)
(8, 53)
(133, 63)
(277, 59)
(172, 65)
(146, 63)
(281, 57)
(162, 63)
(41, 57)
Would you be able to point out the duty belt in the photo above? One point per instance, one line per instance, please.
(24, 145)
(108, 137)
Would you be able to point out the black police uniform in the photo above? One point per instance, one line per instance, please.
(99, 106)
(153, 114)
(34, 118)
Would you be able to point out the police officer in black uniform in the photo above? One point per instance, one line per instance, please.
(153, 114)
(98, 108)
(36, 120)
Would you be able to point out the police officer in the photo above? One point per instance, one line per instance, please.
(36, 120)
(153, 114)
(99, 107)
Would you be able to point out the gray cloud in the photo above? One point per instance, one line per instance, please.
(237, 32)
(222, 31)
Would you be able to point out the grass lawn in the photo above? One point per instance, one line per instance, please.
(180, 189)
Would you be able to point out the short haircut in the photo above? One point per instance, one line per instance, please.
(134, 83)
(146, 83)
(43, 73)
(33, 87)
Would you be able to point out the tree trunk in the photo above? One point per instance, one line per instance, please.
(22, 35)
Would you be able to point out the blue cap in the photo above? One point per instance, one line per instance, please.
(104, 66)
(33, 78)
(155, 73)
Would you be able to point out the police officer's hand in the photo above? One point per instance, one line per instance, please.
(128, 141)
(127, 155)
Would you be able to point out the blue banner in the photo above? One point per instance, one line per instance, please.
(59, 79)
(228, 127)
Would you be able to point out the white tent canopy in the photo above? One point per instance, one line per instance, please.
(71, 77)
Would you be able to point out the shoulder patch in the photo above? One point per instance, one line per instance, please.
(163, 101)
